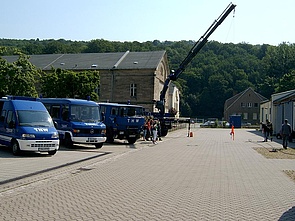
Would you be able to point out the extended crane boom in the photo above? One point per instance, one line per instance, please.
(160, 105)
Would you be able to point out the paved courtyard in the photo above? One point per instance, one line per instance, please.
(205, 177)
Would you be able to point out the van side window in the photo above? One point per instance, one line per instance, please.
(65, 112)
(2, 112)
(2, 117)
(103, 109)
(10, 117)
(114, 111)
(55, 111)
(47, 106)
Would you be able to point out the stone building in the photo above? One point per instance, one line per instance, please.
(246, 104)
(135, 77)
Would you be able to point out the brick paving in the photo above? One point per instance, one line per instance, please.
(205, 177)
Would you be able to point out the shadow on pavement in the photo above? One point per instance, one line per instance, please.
(288, 215)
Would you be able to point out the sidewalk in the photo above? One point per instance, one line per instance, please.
(205, 177)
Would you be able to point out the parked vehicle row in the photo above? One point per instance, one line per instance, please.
(42, 124)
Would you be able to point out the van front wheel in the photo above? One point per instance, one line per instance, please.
(15, 148)
(52, 152)
(98, 145)
(68, 141)
(131, 140)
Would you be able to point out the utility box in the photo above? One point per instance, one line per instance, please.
(235, 120)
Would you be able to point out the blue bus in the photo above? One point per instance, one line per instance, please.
(25, 125)
(123, 121)
(77, 121)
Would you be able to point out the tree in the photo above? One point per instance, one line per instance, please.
(64, 83)
(18, 78)
(287, 82)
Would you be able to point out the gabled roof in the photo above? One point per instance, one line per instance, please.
(231, 101)
(96, 61)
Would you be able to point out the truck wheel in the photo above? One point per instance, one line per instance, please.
(15, 148)
(131, 140)
(164, 132)
(110, 135)
(68, 141)
(52, 152)
(99, 145)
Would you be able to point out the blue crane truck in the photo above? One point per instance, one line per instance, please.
(123, 121)
(166, 119)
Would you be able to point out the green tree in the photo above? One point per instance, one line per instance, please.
(287, 82)
(63, 83)
(18, 78)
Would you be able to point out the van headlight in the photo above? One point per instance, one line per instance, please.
(25, 136)
(54, 135)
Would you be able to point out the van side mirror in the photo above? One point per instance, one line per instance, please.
(11, 124)
(55, 124)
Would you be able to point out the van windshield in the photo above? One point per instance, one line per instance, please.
(34, 118)
(82, 113)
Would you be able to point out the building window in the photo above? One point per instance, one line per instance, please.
(133, 90)
(254, 116)
(243, 104)
(249, 104)
(245, 116)
(255, 104)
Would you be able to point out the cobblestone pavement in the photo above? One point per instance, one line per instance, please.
(205, 177)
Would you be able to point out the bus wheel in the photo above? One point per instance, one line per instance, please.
(52, 152)
(98, 145)
(15, 148)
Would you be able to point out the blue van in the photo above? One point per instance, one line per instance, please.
(77, 121)
(25, 125)
(123, 121)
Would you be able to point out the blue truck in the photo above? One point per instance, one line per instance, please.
(123, 121)
(77, 121)
(25, 125)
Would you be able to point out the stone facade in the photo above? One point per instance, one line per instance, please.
(246, 104)
(137, 77)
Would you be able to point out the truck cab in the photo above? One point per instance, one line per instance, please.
(123, 121)
(25, 125)
(77, 121)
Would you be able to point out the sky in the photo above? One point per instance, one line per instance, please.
(253, 22)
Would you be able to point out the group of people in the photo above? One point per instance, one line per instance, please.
(267, 130)
(152, 130)
(285, 132)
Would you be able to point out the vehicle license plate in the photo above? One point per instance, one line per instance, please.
(92, 139)
(43, 149)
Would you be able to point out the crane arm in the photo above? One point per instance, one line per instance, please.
(192, 53)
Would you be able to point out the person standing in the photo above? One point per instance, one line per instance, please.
(270, 129)
(264, 131)
(145, 129)
(155, 131)
(286, 132)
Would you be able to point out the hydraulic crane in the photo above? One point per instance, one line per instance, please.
(160, 104)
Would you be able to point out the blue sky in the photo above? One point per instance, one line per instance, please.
(254, 21)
